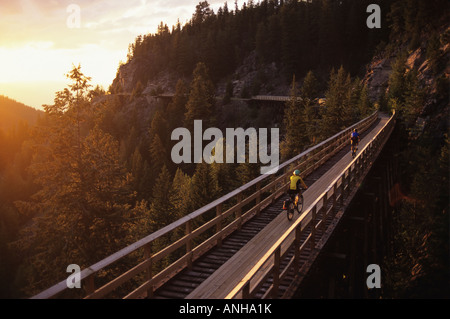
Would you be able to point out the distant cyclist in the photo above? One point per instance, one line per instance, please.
(354, 140)
(296, 183)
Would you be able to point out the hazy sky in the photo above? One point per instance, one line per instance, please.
(40, 40)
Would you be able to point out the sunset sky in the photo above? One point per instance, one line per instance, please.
(38, 43)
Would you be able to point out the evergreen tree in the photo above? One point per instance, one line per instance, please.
(83, 203)
(141, 172)
(137, 91)
(289, 42)
(179, 194)
(308, 95)
(161, 213)
(247, 172)
(224, 173)
(177, 107)
(261, 42)
(355, 99)
(200, 104)
(160, 144)
(328, 43)
(204, 186)
(158, 155)
(364, 104)
(202, 13)
(337, 113)
(396, 78)
(159, 126)
(413, 97)
(274, 39)
(295, 135)
(383, 102)
(182, 53)
(406, 95)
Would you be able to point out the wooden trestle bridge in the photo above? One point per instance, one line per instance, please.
(242, 245)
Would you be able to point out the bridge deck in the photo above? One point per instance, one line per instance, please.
(219, 284)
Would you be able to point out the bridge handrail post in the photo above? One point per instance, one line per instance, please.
(258, 197)
(246, 291)
(358, 168)
(334, 200)
(364, 161)
(219, 224)
(352, 179)
(189, 243)
(324, 211)
(239, 210)
(148, 256)
(313, 227)
(276, 272)
(297, 241)
(90, 284)
(349, 181)
(347, 184)
(342, 190)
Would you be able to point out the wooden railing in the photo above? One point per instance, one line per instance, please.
(205, 227)
(276, 98)
(325, 206)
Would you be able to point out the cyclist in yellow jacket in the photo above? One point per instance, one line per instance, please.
(296, 183)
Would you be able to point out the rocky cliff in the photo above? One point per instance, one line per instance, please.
(433, 77)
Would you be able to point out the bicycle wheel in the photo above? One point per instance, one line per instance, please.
(300, 204)
(290, 211)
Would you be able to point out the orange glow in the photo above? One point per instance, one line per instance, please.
(38, 45)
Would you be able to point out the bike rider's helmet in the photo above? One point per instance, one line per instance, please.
(297, 172)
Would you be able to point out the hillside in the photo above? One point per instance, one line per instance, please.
(258, 47)
(411, 76)
(261, 47)
(13, 112)
(428, 59)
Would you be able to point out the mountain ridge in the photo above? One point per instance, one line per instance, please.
(12, 112)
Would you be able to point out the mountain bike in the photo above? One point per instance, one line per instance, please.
(354, 148)
(354, 151)
(294, 203)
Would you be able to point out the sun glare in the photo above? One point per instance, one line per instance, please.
(41, 64)
(32, 62)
